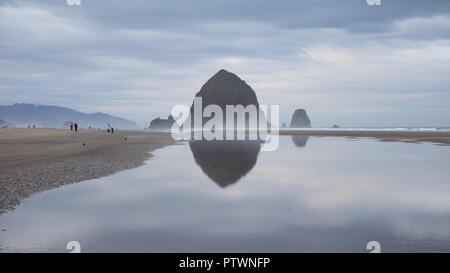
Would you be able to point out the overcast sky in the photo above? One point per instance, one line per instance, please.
(344, 61)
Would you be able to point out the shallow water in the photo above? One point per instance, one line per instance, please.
(316, 194)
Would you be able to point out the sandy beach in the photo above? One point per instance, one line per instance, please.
(34, 160)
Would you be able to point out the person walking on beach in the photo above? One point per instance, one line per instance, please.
(112, 130)
(108, 128)
(76, 127)
(71, 126)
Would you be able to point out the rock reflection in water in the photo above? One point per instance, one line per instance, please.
(225, 162)
(300, 141)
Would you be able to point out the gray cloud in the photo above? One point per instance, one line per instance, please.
(139, 58)
(353, 15)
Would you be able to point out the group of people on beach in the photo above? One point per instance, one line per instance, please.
(110, 129)
(73, 125)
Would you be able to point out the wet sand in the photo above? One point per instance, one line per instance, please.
(34, 160)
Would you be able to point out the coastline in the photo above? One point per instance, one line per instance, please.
(35, 160)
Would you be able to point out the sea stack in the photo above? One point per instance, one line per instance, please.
(225, 88)
(300, 119)
(158, 123)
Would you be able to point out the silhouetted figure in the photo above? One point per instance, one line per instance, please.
(112, 130)
(108, 128)
(71, 126)
(76, 127)
(34, 126)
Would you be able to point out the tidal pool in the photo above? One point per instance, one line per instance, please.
(314, 194)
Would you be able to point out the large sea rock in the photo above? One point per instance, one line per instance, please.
(225, 88)
(300, 119)
(162, 124)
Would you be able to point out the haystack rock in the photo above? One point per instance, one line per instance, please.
(159, 123)
(225, 88)
(300, 119)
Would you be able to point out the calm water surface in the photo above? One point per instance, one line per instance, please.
(311, 195)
